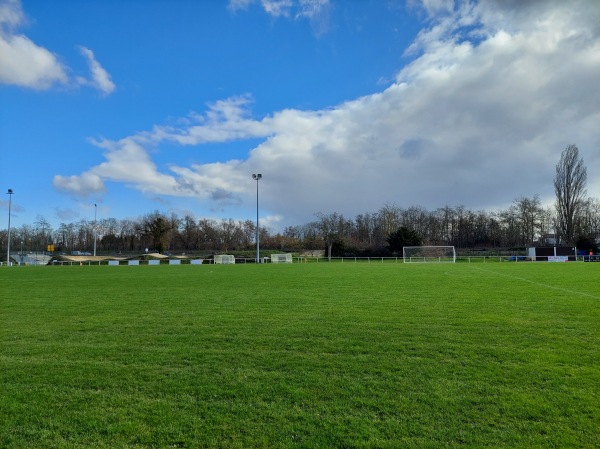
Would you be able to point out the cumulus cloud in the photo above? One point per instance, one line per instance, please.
(11, 14)
(479, 118)
(26, 64)
(100, 79)
(22, 62)
(433, 8)
(224, 121)
(79, 185)
(127, 162)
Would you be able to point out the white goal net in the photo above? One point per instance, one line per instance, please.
(281, 258)
(224, 258)
(425, 254)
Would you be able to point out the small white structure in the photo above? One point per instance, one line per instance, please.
(281, 258)
(225, 259)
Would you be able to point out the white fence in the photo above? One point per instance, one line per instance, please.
(307, 259)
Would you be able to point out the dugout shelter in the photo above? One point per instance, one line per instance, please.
(552, 253)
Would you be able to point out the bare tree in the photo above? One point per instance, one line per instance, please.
(569, 186)
(188, 233)
(547, 220)
(44, 233)
(528, 211)
(590, 218)
(332, 227)
(365, 228)
(156, 226)
(208, 233)
(228, 230)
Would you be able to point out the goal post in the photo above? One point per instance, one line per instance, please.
(429, 254)
(281, 258)
(224, 259)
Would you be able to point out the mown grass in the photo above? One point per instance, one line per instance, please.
(303, 355)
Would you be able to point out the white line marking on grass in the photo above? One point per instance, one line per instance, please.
(565, 290)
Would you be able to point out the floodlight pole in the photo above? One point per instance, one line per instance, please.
(95, 210)
(10, 194)
(257, 176)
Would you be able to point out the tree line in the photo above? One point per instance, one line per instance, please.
(574, 219)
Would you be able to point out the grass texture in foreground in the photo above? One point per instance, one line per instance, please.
(303, 355)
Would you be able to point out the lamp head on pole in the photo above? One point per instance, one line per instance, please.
(10, 191)
(256, 176)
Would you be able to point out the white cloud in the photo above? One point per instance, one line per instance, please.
(100, 78)
(224, 121)
(81, 185)
(316, 11)
(11, 14)
(476, 121)
(27, 64)
(126, 161)
(277, 8)
(435, 8)
(22, 62)
(312, 8)
(235, 5)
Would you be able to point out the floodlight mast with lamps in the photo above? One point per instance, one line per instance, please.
(10, 194)
(95, 227)
(257, 176)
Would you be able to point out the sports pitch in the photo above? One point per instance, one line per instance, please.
(304, 355)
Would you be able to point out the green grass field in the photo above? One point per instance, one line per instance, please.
(301, 356)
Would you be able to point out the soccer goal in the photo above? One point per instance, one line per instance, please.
(281, 258)
(428, 254)
(224, 258)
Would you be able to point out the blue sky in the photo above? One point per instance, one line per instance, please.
(343, 106)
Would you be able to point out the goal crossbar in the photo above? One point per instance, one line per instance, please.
(224, 259)
(429, 254)
(281, 258)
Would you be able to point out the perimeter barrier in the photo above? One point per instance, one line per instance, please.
(316, 259)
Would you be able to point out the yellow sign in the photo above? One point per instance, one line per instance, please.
(50, 248)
